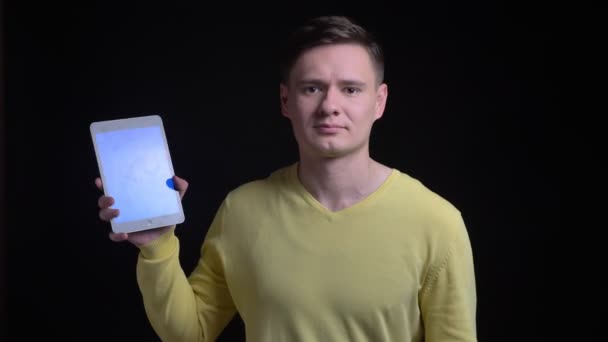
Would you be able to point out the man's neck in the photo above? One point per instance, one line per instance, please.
(338, 183)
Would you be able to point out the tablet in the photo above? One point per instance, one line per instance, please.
(136, 170)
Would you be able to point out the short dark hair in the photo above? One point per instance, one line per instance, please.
(328, 30)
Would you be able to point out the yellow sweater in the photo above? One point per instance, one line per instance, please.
(396, 266)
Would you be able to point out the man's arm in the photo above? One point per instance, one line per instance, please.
(181, 308)
(448, 299)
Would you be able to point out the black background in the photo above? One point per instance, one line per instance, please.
(469, 113)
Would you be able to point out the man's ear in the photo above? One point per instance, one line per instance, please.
(284, 94)
(381, 96)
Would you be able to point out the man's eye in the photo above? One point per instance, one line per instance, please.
(352, 90)
(312, 90)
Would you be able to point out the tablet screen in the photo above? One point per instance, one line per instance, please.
(137, 173)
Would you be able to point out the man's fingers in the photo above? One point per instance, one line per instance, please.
(98, 183)
(108, 214)
(117, 237)
(105, 202)
(181, 185)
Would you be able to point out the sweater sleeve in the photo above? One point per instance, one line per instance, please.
(180, 307)
(448, 297)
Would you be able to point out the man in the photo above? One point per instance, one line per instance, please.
(335, 247)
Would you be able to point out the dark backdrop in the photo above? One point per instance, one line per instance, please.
(469, 114)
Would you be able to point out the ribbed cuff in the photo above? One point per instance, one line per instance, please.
(160, 248)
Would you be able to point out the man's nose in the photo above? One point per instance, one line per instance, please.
(330, 103)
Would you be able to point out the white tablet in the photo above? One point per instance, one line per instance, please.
(136, 170)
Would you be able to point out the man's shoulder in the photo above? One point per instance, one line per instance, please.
(423, 200)
(433, 217)
(262, 187)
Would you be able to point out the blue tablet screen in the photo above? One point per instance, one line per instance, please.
(137, 173)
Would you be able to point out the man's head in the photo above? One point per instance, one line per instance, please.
(330, 30)
(332, 90)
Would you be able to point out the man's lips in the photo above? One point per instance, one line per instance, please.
(328, 128)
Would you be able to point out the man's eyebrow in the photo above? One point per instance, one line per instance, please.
(352, 82)
(316, 81)
(310, 81)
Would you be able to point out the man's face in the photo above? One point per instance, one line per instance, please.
(332, 99)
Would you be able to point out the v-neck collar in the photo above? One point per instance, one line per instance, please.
(313, 202)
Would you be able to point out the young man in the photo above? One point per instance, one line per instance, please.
(336, 247)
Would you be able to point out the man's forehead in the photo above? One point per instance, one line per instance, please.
(344, 62)
(345, 54)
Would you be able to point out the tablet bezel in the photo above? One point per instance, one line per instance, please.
(128, 123)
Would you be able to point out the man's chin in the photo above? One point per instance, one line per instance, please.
(328, 151)
(331, 153)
